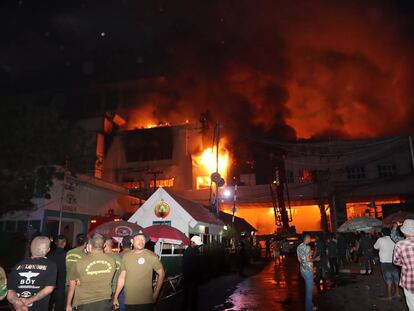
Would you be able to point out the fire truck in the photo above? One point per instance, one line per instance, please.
(98, 220)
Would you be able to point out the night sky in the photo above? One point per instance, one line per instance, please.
(289, 69)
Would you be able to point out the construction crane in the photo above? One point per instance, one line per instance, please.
(283, 216)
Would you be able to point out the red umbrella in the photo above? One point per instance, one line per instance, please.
(116, 229)
(399, 216)
(166, 233)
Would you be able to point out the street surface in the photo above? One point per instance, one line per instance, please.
(277, 287)
(280, 288)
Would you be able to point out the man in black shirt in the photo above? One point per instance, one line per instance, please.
(191, 273)
(33, 279)
(58, 256)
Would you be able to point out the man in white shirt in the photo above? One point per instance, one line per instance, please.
(390, 272)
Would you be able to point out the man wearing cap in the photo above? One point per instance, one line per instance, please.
(90, 284)
(404, 257)
(137, 267)
(191, 273)
(109, 244)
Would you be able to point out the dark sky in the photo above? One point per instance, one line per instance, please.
(56, 43)
(300, 68)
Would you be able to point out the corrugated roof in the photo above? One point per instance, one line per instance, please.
(198, 211)
(240, 223)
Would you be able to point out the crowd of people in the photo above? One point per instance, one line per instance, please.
(395, 256)
(92, 276)
(88, 277)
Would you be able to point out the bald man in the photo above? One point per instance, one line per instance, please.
(33, 279)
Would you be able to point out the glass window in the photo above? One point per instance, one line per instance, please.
(165, 183)
(203, 182)
(35, 224)
(387, 170)
(205, 238)
(306, 176)
(133, 184)
(10, 226)
(22, 226)
(355, 172)
(290, 179)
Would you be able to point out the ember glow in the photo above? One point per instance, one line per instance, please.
(147, 116)
(206, 164)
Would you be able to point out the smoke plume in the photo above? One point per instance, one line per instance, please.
(285, 69)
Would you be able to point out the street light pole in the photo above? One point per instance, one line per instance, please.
(234, 200)
(65, 172)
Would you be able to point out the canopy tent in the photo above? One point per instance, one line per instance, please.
(116, 229)
(399, 217)
(363, 223)
(167, 234)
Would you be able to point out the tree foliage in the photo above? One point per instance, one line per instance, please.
(34, 143)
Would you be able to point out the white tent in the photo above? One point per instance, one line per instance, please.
(188, 216)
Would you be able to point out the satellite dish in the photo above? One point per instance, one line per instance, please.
(215, 177)
(221, 182)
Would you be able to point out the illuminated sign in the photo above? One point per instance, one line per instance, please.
(162, 209)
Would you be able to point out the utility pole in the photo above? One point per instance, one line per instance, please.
(410, 141)
(65, 173)
(154, 173)
(234, 199)
(216, 142)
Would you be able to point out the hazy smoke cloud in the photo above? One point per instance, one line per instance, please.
(286, 69)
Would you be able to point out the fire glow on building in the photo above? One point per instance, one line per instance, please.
(150, 153)
(206, 164)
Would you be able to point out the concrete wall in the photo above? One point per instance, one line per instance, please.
(186, 140)
(83, 197)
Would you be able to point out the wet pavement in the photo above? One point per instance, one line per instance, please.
(277, 287)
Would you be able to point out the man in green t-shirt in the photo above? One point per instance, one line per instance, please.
(136, 276)
(3, 284)
(109, 244)
(90, 284)
(75, 254)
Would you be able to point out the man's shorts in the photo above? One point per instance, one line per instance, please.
(390, 273)
(144, 307)
(103, 305)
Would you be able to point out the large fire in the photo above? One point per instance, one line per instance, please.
(206, 164)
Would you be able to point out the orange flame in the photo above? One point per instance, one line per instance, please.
(207, 164)
(208, 160)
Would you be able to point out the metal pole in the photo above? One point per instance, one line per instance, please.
(234, 201)
(334, 216)
(410, 140)
(217, 167)
(211, 182)
(61, 196)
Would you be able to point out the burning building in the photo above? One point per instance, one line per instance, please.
(326, 182)
(177, 157)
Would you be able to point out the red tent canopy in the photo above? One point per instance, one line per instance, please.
(157, 232)
(116, 229)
